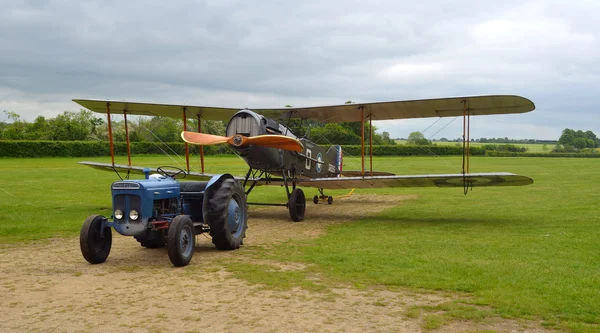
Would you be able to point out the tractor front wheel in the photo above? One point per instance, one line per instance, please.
(297, 205)
(95, 241)
(181, 240)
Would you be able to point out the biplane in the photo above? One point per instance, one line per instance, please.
(276, 156)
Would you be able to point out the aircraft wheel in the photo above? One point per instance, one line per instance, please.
(95, 243)
(228, 215)
(330, 200)
(297, 205)
(181, 240)
(316, 199)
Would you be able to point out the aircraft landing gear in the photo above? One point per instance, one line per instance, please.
(297, 205)
(323, 197)
(318, 198)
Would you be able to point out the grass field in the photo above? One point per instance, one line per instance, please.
(525, 252)
(531, 147)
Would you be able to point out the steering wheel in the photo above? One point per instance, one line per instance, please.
(171, 174)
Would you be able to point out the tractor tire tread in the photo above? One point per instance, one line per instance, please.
(218, 217)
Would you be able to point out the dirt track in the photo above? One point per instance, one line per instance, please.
(48, 286)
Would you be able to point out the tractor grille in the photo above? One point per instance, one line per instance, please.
(125, 186)
(126, 203)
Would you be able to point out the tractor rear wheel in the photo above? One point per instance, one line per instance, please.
(94, 241)
(228, 215)
(181, 240)
(297, 205)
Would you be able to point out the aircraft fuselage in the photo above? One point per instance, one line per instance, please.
(313, 162)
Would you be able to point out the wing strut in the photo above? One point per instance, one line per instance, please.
(110, 138)
(362, 137)
(201, 147)
(466, 142)
(127, 138)
(111, 143)
(371, 141)
(187, 148)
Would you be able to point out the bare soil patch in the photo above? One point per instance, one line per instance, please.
(47, 286)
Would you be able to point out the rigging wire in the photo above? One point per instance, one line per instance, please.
(427, 149)
(159, 147)
(349, 163)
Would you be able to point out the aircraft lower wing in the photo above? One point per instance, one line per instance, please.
(359, 173)
(442, 180)
(124, 169)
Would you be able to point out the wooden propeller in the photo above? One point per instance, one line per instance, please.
(271, 141)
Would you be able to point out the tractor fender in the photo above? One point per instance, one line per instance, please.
(213, 184)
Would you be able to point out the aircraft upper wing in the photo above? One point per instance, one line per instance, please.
(440, 180)
(160, 110)
(424, 108)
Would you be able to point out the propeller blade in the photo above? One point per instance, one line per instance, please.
(272, 141)
(203, 139)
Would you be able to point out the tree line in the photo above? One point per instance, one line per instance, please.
(572, 140)
(87, 126)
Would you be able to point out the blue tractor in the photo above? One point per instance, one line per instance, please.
(160, 211)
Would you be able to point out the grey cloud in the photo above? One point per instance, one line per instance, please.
(303, 53)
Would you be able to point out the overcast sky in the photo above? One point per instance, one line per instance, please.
(273, 53)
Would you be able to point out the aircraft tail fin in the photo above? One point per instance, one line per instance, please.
(335, 154)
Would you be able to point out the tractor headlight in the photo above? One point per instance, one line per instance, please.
(133, 215)
(118, 214)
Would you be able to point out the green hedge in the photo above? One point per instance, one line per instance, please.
(512, 154)
(411, 150)
(20, 148)
(24, 148)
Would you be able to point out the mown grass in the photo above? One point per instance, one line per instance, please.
(525, 252)
(50, 197)
(531, 147)
(529, 252)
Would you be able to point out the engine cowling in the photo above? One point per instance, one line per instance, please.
(250, 123)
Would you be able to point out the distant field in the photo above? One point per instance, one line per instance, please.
(524, 252)
(531, 147)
